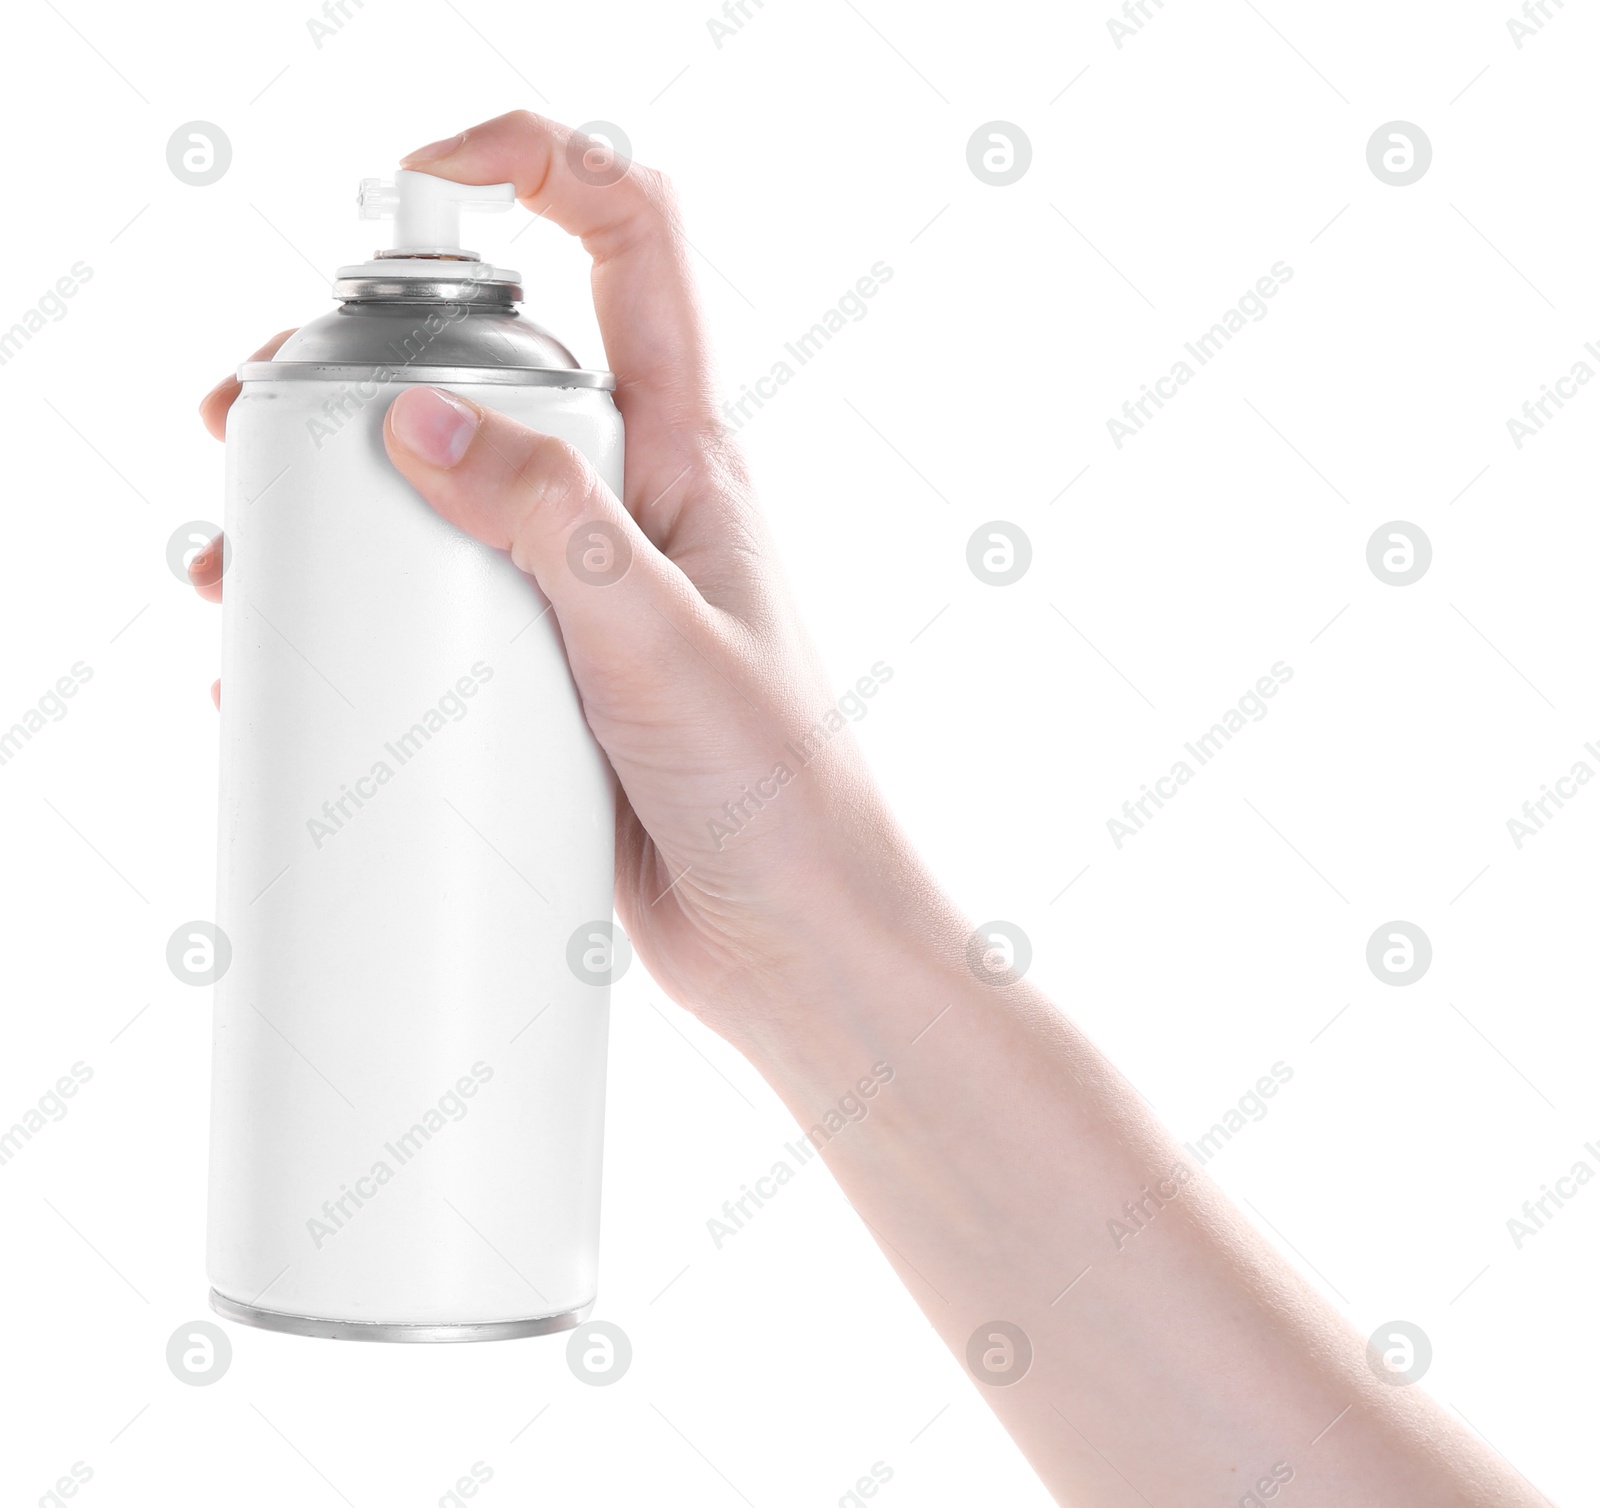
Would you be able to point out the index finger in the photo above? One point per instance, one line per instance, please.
(215, 405)
(644, 293)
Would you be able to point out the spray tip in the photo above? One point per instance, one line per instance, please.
(427, 211)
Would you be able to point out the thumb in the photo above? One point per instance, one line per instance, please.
(537, 497)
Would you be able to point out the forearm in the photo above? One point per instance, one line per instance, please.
(1179, 1353)
(1188, 1360)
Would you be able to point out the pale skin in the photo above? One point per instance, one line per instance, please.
(1186, 1364)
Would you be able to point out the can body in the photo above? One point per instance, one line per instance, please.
(415, 821)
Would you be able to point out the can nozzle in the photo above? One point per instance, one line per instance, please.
(427, 211)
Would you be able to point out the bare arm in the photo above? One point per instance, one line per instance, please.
(1010, 1174)
(1130, 1329)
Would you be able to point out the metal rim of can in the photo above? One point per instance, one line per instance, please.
(378, 1330)
(398, 290)
(349, 371)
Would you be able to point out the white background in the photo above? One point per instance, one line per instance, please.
(1166, 177)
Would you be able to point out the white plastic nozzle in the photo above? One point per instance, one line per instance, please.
(427, 210)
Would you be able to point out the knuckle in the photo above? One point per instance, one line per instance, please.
(649, 211)
(657, 190)
(572, 517)
(558, 483)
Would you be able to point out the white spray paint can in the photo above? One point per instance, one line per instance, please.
(415, 833)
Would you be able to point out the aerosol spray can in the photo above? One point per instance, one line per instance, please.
(416, 835)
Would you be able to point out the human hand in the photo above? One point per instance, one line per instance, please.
(738, 864)
(809, 935)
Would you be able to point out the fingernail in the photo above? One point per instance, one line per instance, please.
(201, 558)
(434, 150)
(434, 425)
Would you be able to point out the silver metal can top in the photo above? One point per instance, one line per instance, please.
(427, 313)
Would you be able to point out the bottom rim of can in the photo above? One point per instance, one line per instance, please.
(382, 1330)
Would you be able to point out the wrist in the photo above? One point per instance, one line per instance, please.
(870, 958)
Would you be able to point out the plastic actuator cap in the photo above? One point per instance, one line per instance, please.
(427, 210)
